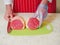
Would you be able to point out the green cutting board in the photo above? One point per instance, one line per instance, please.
(46, 28)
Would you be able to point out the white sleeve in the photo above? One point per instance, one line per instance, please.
(6, 2)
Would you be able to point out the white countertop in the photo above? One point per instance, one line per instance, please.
(48, 39)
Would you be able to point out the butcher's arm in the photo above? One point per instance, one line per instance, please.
(8, 9)
(8, 4)
(50, 0)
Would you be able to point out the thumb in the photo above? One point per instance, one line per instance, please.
(10, 16)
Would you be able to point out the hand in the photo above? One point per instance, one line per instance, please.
(44, 12)
(42, 9)
(9, 13)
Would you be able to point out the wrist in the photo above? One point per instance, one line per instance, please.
(44, 2)
(9, 7)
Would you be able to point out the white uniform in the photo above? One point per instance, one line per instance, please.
(10, 1)
(6, 2)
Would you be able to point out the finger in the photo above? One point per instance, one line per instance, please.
(10, 16)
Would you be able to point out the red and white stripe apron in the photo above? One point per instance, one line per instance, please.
(31, 6)
(25, 5)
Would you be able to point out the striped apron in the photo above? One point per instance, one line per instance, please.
(25, 5)
(31, 6)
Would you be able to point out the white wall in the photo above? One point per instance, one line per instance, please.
(58, 5)
(1, 7)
